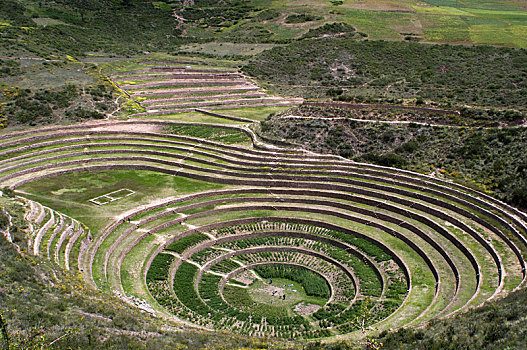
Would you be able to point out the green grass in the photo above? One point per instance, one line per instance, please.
(84, 186)
(515, 35)
(97, 267)
(447, 29)
(192, 117)
(442, 10)
(256, 113)
(131, 269)
(226, 48)
(212, 134)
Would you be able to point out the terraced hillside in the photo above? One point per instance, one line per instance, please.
(260, 241)
(169, 88)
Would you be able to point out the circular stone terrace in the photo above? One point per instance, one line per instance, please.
(259, 240)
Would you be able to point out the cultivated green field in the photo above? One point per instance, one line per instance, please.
(470, 22)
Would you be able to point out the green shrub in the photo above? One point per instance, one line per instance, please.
(267, 15)
(454, 74)
(388, 159)
(80, 114)
(4, 221)
(8, 192)
(301, 18)
(9, 67)
(329, 29)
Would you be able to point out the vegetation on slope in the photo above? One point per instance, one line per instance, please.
(496, 325)
(390, 72)
(26, 106)
(78, 27)
(125, 27)
(40, 92)
(490, 159)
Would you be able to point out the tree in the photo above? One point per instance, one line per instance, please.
(366, 314)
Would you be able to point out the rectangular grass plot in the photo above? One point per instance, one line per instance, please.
(100, 200)
(124, 192)
(112, 196)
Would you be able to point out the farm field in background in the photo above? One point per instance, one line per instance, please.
(435, 21)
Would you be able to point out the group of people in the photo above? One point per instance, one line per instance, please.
(280, 296)
(275, 292)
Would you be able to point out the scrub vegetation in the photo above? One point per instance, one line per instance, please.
(489, 159)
